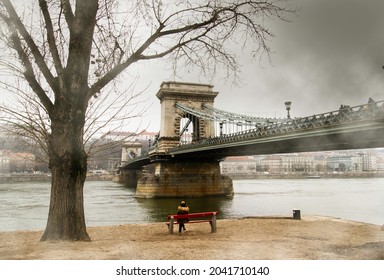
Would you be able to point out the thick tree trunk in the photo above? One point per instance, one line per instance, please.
(68, 164)
(68, 160)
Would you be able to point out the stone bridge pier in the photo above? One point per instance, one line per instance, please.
(183, 179)
(177, 177)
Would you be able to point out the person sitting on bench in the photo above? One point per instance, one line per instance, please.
(181, 210)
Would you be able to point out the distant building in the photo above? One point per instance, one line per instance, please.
(272, 164)
(319, 163)
(357, 163)
(368, 162)
(297, 163)
(4, 162)
(380, 164)
(238, 165)
(339, 163)
(131, 136)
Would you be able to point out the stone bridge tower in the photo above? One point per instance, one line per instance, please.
(174, 177)
(189, 95)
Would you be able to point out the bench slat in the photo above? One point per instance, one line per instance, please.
(193, 215)
(210, 217)
(190, 222)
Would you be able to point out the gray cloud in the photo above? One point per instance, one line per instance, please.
(330, 54)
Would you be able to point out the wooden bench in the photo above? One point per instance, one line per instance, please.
(193, 218)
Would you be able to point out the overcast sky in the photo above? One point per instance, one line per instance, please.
(332, 53)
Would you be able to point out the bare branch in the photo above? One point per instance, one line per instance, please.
(39, 58)
(51, 37)
(113, 114)
(67, 10)
(29, 73)
(203, 30)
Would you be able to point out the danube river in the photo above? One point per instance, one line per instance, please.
(24, 206)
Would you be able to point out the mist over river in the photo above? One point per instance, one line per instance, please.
(24, 206)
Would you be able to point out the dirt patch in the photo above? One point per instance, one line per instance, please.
(314, 238)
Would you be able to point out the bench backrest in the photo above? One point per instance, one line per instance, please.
(194, 215)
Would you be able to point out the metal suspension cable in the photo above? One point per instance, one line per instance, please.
(227, 117)
(196, 113)
(185, 128)
(241, 117)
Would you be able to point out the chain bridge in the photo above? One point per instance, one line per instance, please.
(195, 136)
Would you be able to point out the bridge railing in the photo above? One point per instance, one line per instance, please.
(345, 114)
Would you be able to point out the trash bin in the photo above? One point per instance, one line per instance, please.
(296, 214)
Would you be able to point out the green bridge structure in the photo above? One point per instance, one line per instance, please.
(195, 136)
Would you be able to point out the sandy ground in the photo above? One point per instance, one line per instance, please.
(312, 238)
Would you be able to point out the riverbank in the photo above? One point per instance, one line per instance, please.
(312, 238)
(20, 178)
(323, 175)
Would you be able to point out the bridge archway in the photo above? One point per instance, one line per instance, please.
(175, 122)
(187, 130)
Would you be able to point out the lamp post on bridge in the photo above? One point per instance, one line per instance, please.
(288, 107)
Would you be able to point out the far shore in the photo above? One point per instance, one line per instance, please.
(18, 178)
(269, 238)
(319, 175)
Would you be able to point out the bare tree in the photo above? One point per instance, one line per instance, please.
(68, 51)
(27, 123)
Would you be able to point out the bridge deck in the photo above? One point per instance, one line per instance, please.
(348, 128)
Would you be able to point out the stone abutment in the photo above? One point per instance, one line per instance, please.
(183, 179)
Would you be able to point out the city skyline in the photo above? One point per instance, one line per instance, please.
(371, 160)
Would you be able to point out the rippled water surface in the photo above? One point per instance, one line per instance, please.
(24, 206)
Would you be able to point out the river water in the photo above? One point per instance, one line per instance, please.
(24, 206)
